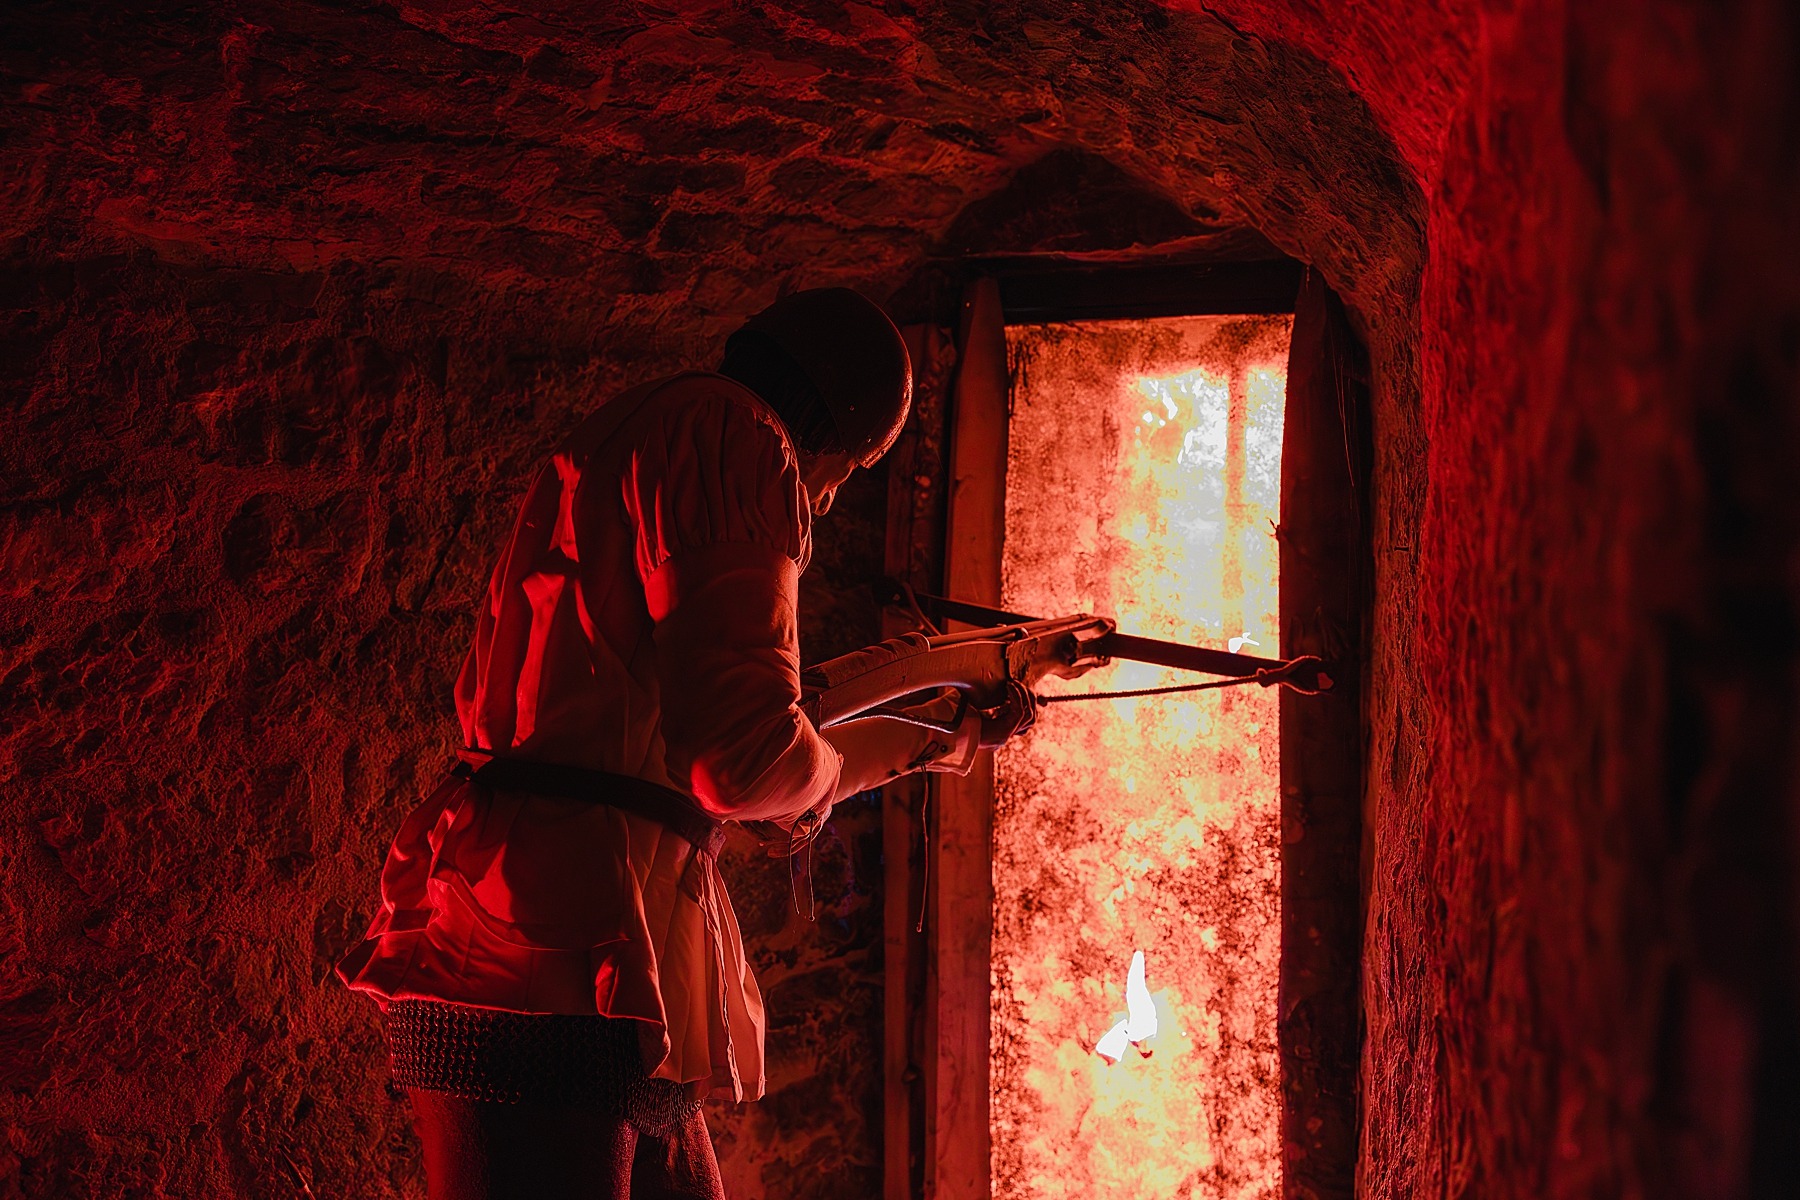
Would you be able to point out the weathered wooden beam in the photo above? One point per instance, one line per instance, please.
(1324, 581)
(913, 553)
(961, 907)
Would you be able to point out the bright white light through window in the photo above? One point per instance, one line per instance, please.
(1136, 872)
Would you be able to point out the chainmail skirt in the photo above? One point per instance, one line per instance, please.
(531, 1058)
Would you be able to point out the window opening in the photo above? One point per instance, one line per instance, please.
(1136, 876)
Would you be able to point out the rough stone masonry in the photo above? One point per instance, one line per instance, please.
(294, 294)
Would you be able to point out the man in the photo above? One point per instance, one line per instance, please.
(558, 963)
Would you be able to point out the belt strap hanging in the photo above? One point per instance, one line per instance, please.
(801, 837)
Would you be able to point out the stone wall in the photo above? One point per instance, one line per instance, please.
(296, 294)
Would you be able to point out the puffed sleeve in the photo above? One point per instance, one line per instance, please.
(721, 536)
(714, 468)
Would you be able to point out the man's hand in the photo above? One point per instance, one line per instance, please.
(1016, 714)
(942, 734)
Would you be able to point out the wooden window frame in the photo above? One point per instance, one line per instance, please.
(938, 1001)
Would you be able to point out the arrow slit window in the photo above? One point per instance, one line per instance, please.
(1136, 858)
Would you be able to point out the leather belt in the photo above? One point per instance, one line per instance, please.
(666, 806)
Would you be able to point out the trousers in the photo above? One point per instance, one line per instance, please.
(487, 1150)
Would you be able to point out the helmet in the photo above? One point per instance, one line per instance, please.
(855, 358)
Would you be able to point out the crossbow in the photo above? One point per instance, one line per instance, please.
(1009, 647)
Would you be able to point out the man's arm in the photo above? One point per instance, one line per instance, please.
(731, 690)
(717, 500)
(878, 749)
(732, 729)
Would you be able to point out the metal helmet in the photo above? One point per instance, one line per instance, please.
(854, 357)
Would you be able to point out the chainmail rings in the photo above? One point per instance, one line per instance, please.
(530, 1058)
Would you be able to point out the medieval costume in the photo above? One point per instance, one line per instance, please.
(633, 682)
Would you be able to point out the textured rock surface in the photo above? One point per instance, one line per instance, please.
(1583, 943)
(295, 294)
